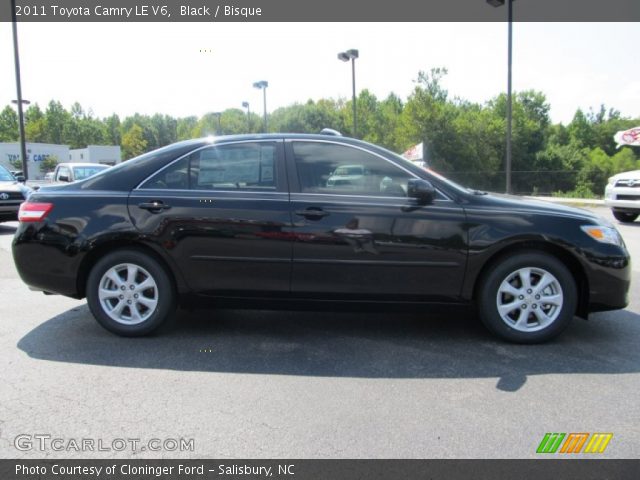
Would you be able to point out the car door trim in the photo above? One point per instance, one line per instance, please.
(376, 263)
(215, 258)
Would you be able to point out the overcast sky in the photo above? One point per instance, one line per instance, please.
(125, 68)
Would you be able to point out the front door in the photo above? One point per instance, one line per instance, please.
(357, 233)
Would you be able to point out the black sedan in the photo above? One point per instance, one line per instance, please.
(260, 218)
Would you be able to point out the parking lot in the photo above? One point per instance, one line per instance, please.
(274, 384)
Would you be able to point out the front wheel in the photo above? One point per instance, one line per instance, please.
(527, 298)
(624, 217)
(130, 293)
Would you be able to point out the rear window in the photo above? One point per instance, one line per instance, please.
(239, 166)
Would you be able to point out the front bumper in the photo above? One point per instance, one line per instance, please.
(622, 198)
(608, 272)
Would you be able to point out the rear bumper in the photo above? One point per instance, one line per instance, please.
(48, 267)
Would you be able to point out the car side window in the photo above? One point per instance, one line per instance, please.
(343, 170)
(234, 166)
(238, 166)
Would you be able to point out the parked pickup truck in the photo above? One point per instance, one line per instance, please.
(70, 172)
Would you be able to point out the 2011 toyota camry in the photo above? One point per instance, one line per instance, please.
(262, 217)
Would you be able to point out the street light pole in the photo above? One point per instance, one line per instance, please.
(498, 3)
(263, 84)
(353, 96)
(218, 115)
(16, 55)
(246, 105)
(345, 57)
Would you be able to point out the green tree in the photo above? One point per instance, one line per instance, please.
(529, 133)
(428, 116)
(581, 131)
(185, 127)
(57, 118)
(16, 164)
(8, 125)
(133, 142)
(112, 130)
(310, 117)
(49, 164)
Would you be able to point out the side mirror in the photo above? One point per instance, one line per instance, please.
(63, 178)
(20, 178)
(421, 190)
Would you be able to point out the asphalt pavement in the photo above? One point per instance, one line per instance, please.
(282, 384)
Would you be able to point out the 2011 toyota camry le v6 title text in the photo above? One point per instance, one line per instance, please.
(312, 218)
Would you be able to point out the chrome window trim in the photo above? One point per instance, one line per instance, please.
(357, 147)
(399, 205)
(446, 199)
(236, 194)
(264, 140)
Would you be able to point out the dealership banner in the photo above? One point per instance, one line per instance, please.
(324, 11)
(415, 153)
(628, 137)
(319, 469)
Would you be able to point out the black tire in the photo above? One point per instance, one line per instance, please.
(162, 293)
(533, 328)
(625, 217)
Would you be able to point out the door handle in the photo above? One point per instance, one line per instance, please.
(154, 207)
(312, 213)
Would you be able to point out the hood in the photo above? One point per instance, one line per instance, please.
(521, 204)
(14, 187)
(631, 174)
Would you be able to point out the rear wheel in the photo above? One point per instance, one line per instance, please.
(625, 217)
(527, 298)
(130, 293)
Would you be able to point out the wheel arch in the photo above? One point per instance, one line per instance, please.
(95, 254)
(563, 255)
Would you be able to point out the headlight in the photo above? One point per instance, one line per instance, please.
(611, 181)
(603, 234)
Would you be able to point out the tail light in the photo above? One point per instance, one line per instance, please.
(34, 212)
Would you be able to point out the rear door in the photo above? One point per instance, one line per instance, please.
(222, 215)
(358, 234)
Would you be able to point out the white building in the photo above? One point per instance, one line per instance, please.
(107, 154)
(36, 153)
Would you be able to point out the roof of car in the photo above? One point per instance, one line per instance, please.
(269, 136)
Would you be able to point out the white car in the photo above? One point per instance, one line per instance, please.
(622, 195)
(347, 176)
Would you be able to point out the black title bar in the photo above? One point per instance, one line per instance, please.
(320, 11)
(573, 469)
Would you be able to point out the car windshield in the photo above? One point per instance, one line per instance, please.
(85, 172)
(5, 176)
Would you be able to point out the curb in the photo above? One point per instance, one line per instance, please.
(574, 202)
